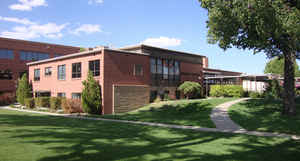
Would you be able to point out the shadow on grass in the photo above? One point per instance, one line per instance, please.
(265, 115)
(188, 113)
(55, 138)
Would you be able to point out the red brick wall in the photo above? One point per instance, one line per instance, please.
(191, 72)
(16, 65)
(118, 69)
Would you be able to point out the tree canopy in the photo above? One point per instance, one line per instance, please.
(276, 66)
(190, 88)
(23, 90)
(264, 26)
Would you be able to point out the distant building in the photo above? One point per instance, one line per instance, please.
(14, 54)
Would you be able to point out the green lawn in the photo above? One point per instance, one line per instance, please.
(263, 115)
(31, 137)
(181, 112)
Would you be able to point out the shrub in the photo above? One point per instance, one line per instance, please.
(23, 89)
(274, 89)
(255, 95)
(7, 98)
(157, 100)
(91, 95)
(29, 102)
(55, 103)
(190, 89)
(226, 91)
(42, 102)
(71, 105)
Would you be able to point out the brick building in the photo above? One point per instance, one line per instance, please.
(130, 77)
(14, 54)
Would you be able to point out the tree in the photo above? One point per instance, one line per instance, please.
(276, 66)
(91, 95)
(189, 88)
(269, 26)
(23, 89)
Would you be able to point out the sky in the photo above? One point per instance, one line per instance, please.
(173, 24)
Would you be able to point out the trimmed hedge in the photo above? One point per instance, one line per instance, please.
(29, 102)
(226, 91)
(42, 101)
(55, 103)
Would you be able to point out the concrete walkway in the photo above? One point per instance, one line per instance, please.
(221, 118)
(233, 128)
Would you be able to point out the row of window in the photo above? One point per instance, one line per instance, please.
(164, 71)
(25, 55)
(94, 67)
(6, 74)
(6, 54)
(74, 95)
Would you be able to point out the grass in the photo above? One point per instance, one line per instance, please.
(181, 112)
(34, 137)
(265, 115)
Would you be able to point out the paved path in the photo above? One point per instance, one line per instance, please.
(221, 118)
(235, 128)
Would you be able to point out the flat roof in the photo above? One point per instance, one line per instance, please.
(35, 42)
(217, 70)
(141, 46)
(95, 50)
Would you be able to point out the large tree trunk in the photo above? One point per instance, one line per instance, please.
(289, 107)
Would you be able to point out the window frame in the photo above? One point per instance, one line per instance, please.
(6, 54)
(59, 75)
(75, 97)
(48, 71)
(37, 77)
(139, 72)
(78, 69)
(95, 72)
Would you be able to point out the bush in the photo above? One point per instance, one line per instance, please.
(91, 95)
(71, 105)
(29, 102)
(190, 89)
(23, 89)
(226, 91)
(157, 100)
(42, 102)
(7, 98)
(55, 103)
(255, 95)
(274, 90)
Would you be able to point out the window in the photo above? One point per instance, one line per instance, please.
(138, 70)
(48, 71)
(6, 74)
(6, 54)
(76, 95)
(57, 55)
(76, 70)
(171, 70)
(61, 72)
(94, 67)
(153, 65)
(177, 71)
(36, 74)
(33, 56)
(61, 94)
(165, 68)
(159, 66)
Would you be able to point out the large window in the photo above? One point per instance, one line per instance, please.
(94, 67)
(76, 95)
(37, 74)
(6, 54)
(166, 71)
(61, 94)
(138, 70)
(33, 56)
(61, 72)
(76, 70)
(48, 71)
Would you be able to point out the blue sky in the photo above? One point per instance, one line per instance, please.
(173, 24)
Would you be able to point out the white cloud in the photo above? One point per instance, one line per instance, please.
(49, 30)
(23, 21)
(162, 42)
(27, 5)
(87, 28)
(95, 2)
